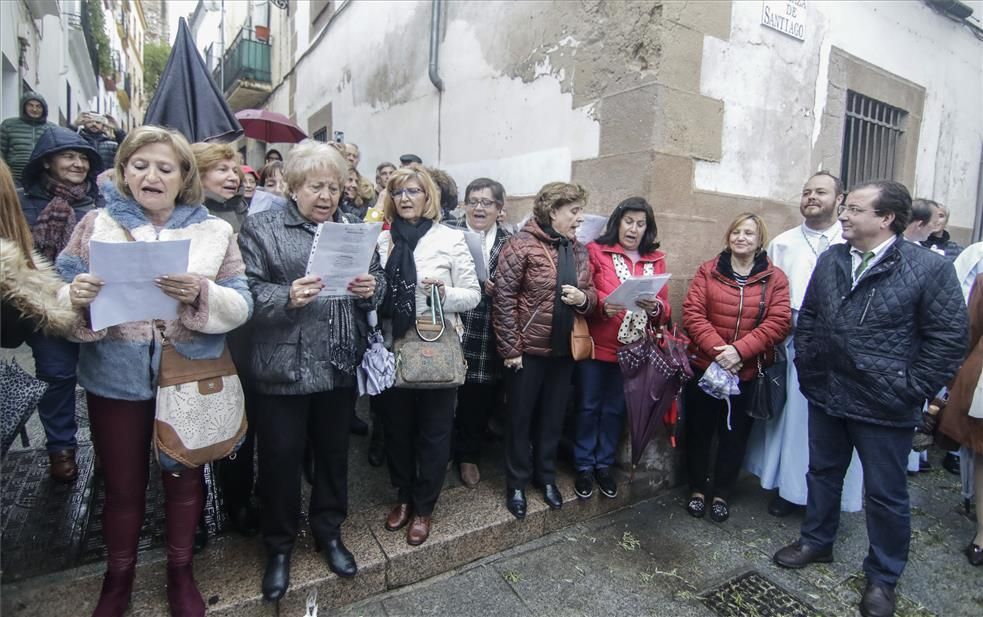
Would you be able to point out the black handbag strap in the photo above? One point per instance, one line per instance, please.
(761, 317)
(761, 303)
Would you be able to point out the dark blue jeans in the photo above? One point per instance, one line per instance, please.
(55, 361)
(601, 415)
(883, 452)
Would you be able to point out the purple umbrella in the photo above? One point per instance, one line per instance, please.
(653, 370)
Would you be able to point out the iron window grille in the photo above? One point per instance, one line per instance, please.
(321, 135)
(872, 137)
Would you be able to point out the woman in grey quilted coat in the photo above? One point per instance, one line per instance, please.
(304, 353)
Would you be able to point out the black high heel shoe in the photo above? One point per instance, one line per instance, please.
(276, 579)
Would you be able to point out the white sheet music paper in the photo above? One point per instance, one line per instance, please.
(129, 270)
(638, 288)
(340, 253)
(476, 246)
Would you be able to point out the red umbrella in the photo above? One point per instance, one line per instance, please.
(269, 126)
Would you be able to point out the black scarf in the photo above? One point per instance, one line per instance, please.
(400, 303)
(566, 274)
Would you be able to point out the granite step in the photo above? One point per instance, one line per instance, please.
(469, 524)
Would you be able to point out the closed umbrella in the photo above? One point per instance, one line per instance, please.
(653, 370)
(378, 369)
(269, 126)
(187, 98)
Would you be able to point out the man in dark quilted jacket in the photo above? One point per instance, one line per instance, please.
(882, 327)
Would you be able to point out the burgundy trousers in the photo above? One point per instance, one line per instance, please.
(122, 433)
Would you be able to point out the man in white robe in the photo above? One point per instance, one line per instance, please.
(778, 450)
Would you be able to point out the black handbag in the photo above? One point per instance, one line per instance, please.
(769, 388)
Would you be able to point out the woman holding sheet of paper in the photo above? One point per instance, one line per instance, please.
(155, 196)
(627, 247)
(420, 255)
(305, 350)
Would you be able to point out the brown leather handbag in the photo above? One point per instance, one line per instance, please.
(581, 342)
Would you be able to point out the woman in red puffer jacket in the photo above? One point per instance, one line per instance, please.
(628, 247)
(735, 312)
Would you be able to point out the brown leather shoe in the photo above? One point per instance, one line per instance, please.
(398, 516)
(470, 475)
(418, 531)
(63, 467)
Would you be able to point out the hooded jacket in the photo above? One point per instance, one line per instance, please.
(876, 351)
(30, 297)
(717, 312)
(33, 197)
(525, 288)
(19, 135)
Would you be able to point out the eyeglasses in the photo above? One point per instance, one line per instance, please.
(484, 203)
(410, 192)
(317, 189)
(853, 210)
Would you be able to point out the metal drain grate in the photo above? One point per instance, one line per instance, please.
(753, 594)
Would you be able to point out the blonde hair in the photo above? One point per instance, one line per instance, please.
(758, 221)
(208, 156)
(13, 225)
(414, 172)
(556, 195)
(310, 156)
(149, 134)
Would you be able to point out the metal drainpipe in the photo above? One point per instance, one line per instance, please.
(435, 8)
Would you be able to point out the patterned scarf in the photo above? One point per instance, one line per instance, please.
(400, 303)
(633, 325)
(56, 222)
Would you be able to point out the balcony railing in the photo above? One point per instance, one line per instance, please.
(248, 58)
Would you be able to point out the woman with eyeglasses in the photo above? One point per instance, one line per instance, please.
(476, 399)
(305, 349)
(419, 255)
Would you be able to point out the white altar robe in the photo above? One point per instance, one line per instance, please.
(778, 450)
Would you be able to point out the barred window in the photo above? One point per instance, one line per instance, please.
(321, 135)
(871, 140)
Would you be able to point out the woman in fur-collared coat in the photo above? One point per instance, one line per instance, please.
(29, 286)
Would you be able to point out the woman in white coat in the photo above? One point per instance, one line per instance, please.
(418, 254)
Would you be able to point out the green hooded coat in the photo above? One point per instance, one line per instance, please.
(19, 135)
